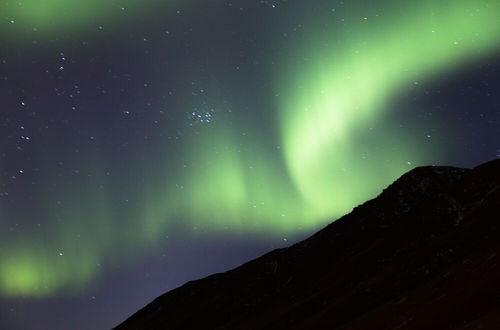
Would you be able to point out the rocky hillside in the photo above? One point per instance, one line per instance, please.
(424, 254)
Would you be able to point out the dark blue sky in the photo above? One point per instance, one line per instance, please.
(142, 150)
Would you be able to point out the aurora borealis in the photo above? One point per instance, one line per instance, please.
(347, 88)
(133, 134)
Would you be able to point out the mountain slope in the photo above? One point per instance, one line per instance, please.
(424, 254)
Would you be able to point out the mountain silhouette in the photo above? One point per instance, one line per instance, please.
(424, 254)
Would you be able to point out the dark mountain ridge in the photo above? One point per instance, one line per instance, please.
(424, 254)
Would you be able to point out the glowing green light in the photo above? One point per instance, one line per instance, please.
(335, 149)
(61, 16)
(38, 271)
(339, 90)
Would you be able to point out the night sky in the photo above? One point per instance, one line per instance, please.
(147, 143)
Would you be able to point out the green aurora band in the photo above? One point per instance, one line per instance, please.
(342, 90)
(338, 85)
(54, 16)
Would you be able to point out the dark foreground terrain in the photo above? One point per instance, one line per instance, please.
(425, 254)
